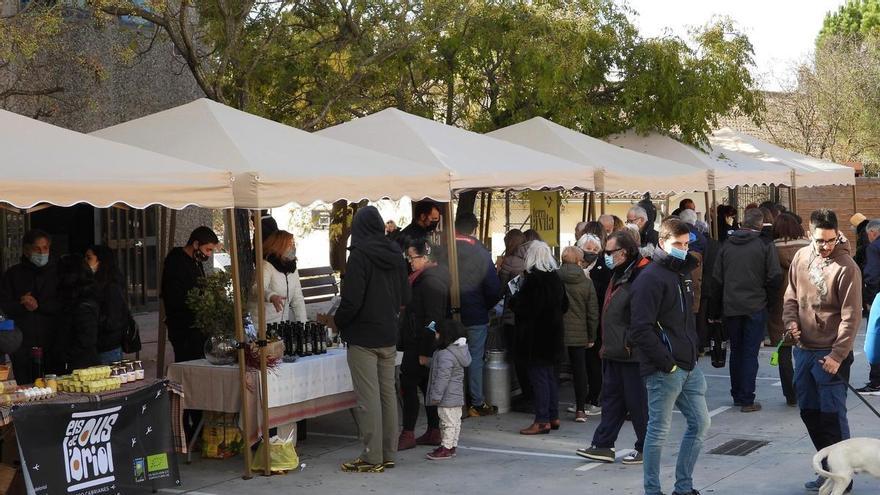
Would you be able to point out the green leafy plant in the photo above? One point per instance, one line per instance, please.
(212, 305)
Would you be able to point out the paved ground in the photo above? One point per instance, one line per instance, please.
(493, 458)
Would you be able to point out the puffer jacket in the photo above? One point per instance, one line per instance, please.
(446, 382)
(582, 318)
(616, 344)
(276, 283)
(745, 273)
(786, 251)
(429, 302)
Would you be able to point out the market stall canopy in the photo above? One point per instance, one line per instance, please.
(728, 168)
(43, 163)
(808, 171)
(275, 164)
(475, 161)
(617, 170)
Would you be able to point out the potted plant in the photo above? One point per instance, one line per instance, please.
(212, 306)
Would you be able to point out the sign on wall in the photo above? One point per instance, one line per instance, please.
(544, 210)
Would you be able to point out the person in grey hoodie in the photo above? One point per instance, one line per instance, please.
(446, 384)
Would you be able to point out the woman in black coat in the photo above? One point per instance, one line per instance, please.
(111, 300)
(80, 318)
(538, 307)
(430, 303)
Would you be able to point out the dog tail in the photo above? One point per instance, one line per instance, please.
(817, 463)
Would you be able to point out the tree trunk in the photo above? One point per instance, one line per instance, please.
(245, 250)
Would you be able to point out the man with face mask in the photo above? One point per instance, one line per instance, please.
(822, 313)
(28, 296)
(426, 218)
(665, 343)
(183, 268)
(639, 217)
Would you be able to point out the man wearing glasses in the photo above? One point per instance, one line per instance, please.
(822, 312)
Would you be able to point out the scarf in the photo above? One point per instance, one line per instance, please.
(416, 274)
(282, 265)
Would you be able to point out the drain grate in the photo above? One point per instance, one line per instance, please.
(738, 447)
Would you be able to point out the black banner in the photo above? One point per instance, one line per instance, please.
(113, 447)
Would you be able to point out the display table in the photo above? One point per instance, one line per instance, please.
(175, 394)
(310, 387)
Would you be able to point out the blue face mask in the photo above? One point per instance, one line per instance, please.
(609, 261)
(40, 260)
(679, 254)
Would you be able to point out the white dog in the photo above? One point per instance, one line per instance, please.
(845, 459)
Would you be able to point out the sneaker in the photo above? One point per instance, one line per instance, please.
(813, 486)
(596, 454)
(580, 417)
(360, 466)
(388, 464)
(406, 441)
(484, 410)
(441, 453)
(634, 457)
(692, 492)
(869, 389)
(572, 409)
(753, 407)
(593, 410)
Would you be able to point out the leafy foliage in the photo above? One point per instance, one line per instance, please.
(212, 305)
(855, 19)
(27, 38)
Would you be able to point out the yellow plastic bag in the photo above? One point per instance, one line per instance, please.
(282, 455)
(221, 438)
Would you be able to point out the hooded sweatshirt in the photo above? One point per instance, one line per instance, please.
(375, 285)
(824, 297)
(446, 382)
(746, 272)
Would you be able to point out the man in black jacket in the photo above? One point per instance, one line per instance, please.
(373, 291)
(28, 295)
(426, 217)
(180, 274)
(746, 271)
(638, 216)
(665, 342)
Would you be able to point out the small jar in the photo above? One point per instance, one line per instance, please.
(52, 382)
(132, 374)
(139, 370)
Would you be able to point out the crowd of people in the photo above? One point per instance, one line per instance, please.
(629, 309)
(71, 310)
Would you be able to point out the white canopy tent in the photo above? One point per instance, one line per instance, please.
(275, 164)
(473, 160)
(807, 171)
(617, 170)
(727, 168)
(43, 163)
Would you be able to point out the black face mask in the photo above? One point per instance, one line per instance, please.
(432, 226)
(589, 258)
(200, 256)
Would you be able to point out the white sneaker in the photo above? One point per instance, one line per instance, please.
(571, 409)
(593, 410)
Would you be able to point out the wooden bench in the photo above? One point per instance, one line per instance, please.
(318, 284)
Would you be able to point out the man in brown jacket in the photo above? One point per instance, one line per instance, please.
(822, 312)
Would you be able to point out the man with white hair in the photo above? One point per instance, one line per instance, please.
(871, 277)
(639, 217)
(607, 222)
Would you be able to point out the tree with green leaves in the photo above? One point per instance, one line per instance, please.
(856, 19)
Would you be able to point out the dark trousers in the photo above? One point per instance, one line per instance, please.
(188, 345)
(746, 335)
(624, 393)
(414, 378)
(874, 377)
(822, 397)
(545, 388)
(520, 367)
(586, 369)
(786, 373)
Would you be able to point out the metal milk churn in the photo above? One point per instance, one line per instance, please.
(496, 380)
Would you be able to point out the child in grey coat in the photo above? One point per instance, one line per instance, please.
(446, 384)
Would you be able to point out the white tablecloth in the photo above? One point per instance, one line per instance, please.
(309, 378)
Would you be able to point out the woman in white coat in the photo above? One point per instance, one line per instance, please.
(283, 291)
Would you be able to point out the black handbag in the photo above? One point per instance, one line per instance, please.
(131, 336)
(718, 340)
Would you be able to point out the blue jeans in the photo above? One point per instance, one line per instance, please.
(111, 356)
(477, 345)
(821, 397)
(687, 391)
(746, 336)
